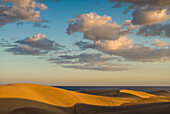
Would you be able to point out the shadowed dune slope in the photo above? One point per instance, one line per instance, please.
(64, 98)
(24, 106)
(161, 93)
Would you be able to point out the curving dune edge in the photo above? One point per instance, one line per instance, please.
(65, 101)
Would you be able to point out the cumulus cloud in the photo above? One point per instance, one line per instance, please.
(40, 41)
(148, 11)
(141, 16)
(121, 43)
(110, 38)
(129, 51)
(96, 27)
(34, 45)
(91, 61)
(154, 30)
(21, 3)
(160, 43)
(21, 10)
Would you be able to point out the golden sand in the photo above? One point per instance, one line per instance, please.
(64, 98)
(138, 93)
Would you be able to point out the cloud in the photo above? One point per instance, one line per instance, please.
(146, 2)
(99, 68)
(160, 43)
(129, 51)
(23, 50)
(21, 3)
(148, 11)
(110, 38)
(38, 24)
(42, 6)
(26, 4)
(40, 41)
(121, 43)
(21, 10)
(88, 58)
(96, 27)
(154, 30)
(91, 61)
(34, 45)
(47, 0)
(141, 16)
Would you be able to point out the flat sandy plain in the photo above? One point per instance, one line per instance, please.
(39, 99)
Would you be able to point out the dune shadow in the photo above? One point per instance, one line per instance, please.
(25, 106)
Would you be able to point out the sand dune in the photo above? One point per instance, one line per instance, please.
(138, 93)
(24, 106)
(161, 93)
(56, 96)
(65, 98)
(64, 101)
(17, 106)
(109, 93)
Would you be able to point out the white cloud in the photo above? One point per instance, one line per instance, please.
(130, 51)
(143, 16)
(148, 11)
(21, 10)
(21, 3)
(34, 45)
(36, 37)
(96, 27)
(121, 43)
(85, 22)
(40, 41)
(146, 2)
(42, 6)
(111, 38)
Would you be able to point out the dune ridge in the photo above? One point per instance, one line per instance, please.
(64, 98)
(138, 93)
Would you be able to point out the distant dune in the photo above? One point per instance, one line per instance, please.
(138, 93)
(40, 99)
(109, 93)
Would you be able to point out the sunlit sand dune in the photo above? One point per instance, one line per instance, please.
(138, 93)
(30, 97)
(23, 106)
(65, 98)
(109, 93)
(40, 99)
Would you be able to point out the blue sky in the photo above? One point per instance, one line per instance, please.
(68, 64)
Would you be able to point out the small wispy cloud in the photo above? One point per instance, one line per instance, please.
(90, 61)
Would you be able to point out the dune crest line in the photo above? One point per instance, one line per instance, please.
(64, 98)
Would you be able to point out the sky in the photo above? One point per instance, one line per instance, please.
(85, 42)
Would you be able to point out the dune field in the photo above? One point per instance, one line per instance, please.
(40, 99)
